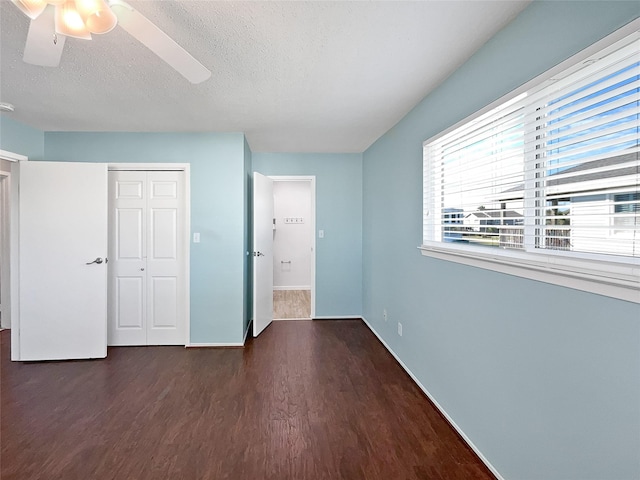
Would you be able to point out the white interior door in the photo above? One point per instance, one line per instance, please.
(63, 274)
(262, 252)
(147, 295)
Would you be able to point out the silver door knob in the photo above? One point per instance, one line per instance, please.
(97, 260)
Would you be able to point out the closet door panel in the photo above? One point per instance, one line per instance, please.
(165, 259)
(127, 245)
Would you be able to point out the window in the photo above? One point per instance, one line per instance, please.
(548, 177)
(626, 209)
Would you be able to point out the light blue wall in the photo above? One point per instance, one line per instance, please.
(339, 214)
(544, 380)
(16, 137)
(217, 212)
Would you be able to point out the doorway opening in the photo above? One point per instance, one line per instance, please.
(293, 248)
(8, 244)
(5, 314)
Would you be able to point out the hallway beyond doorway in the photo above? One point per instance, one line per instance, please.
(291, 304)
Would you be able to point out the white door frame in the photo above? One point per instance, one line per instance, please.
(312, 180)
(5, 249)
(14, 251)
(186, 168)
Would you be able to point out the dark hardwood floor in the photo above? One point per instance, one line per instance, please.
(306, 400)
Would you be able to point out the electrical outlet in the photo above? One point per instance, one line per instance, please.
(384, 314)
(399, 329)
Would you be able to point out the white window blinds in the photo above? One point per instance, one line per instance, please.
(555, 169)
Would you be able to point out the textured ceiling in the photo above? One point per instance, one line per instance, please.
(297, 76)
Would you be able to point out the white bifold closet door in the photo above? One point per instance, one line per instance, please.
(146, 258)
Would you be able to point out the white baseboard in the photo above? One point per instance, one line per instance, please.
(289, 319)
(304, 287)
(215, 345)
(338, 317)
(435, 402)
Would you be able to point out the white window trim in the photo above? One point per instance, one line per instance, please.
(585, 272)
(612, 279)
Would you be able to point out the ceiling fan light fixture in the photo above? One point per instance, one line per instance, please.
(69, 22)
(6, 107)
(96, 15)
(31, 8)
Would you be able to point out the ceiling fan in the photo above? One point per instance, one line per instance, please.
(54, 20)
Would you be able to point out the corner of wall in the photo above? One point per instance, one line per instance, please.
(19, 138)
(248, 238)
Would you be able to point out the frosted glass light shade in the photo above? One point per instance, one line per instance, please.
(96, 15)
(31, 8)
(69, 22)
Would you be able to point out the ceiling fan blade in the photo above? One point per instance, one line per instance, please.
(44, 46)
(140, 28)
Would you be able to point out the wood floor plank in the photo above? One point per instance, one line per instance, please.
(306, 400)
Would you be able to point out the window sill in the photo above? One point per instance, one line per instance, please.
(612, 279)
